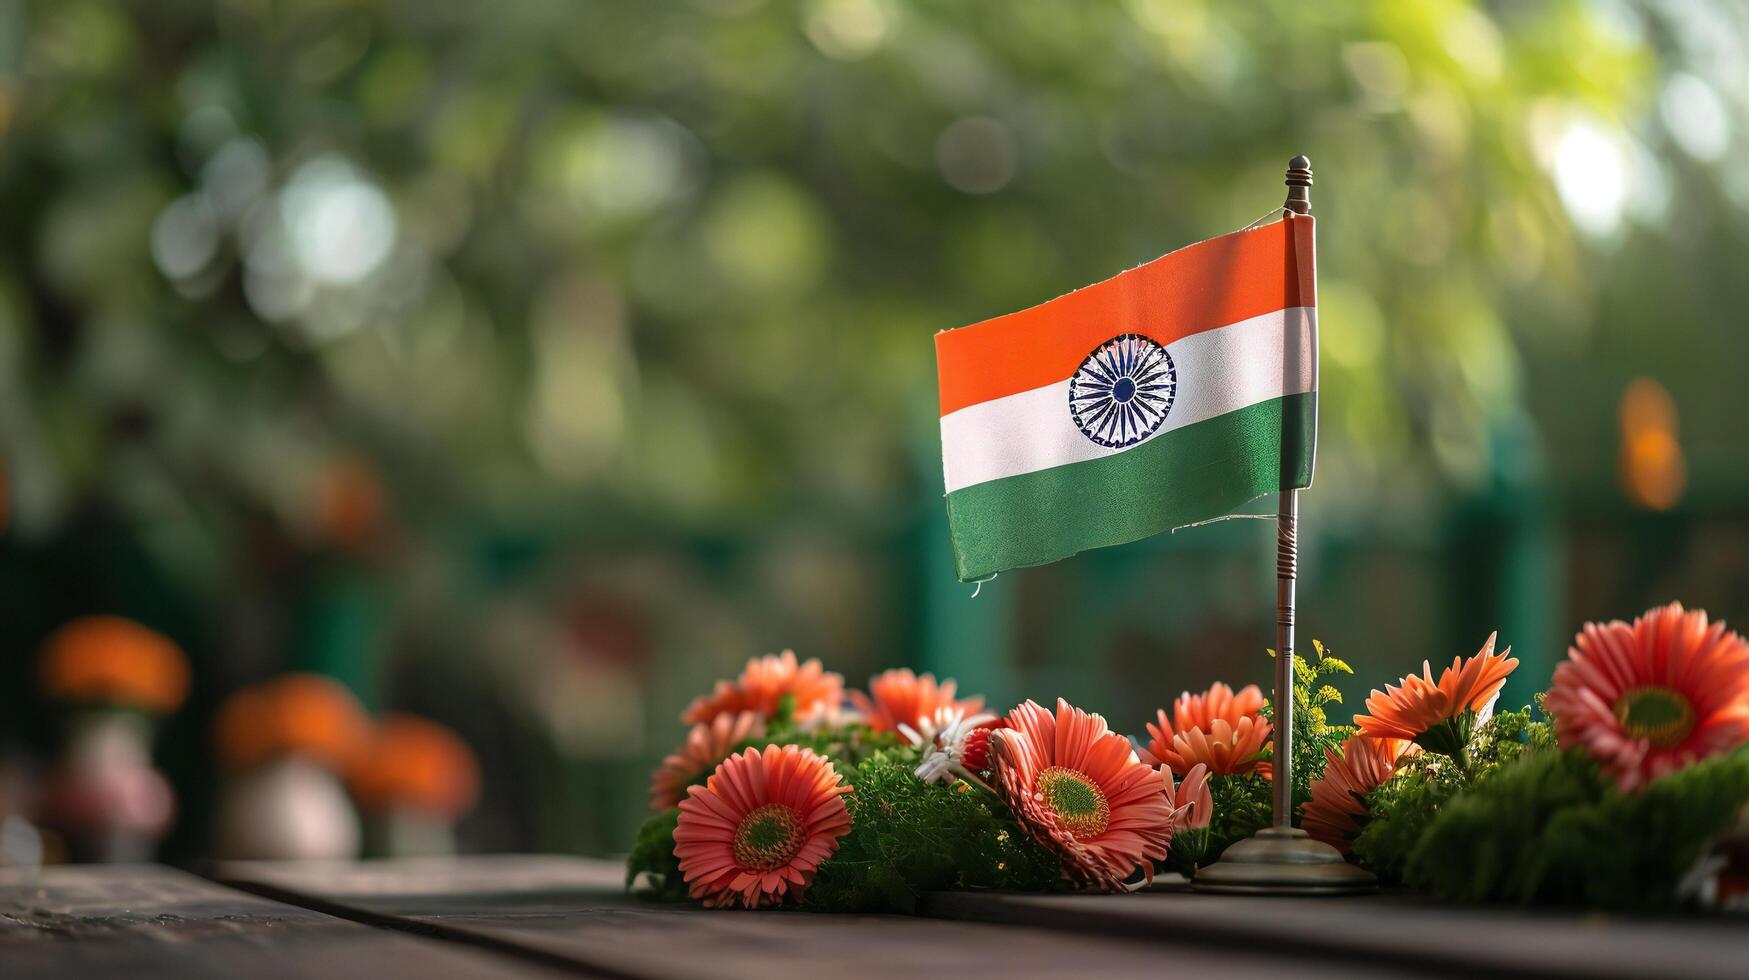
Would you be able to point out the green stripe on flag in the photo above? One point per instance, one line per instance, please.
(1179, 477)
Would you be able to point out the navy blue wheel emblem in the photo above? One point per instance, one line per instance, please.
(1121, 393)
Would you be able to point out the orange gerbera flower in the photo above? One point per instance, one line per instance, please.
(1648, 699)
(705, 746)
(1231, 749)
(1078, 789)
(1440, 716)
(111, 660)
(417, 763)
(764, 684)
(1227, 749)
(1337, 810)
(755, 833)
(1200, 710)
(900, 697)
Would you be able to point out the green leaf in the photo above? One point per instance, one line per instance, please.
(653, 855)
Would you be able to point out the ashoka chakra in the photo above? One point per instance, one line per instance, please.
(1121, 393)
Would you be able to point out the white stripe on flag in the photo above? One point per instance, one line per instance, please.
(1219, 371)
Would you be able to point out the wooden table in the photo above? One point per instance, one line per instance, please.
(571, 912)
(1411, 935)
(527, 917)
(147, 922)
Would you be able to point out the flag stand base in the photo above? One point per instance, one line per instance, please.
(1283, 861)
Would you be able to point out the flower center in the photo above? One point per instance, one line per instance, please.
(1076, 800)
(768, 837)
(1656, 714)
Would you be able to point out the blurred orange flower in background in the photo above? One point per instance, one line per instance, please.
(1654, 472)
(351, 502)
(417, 763)
(293, 714)
(114, 661)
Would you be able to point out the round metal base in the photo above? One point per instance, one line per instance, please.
(1283, 861)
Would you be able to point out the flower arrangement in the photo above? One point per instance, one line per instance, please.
(788, 790)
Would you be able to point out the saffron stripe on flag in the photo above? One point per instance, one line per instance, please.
(1199, 287)
(1191, 474)
(1217, 371)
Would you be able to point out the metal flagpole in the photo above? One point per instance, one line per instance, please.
(1287, 519)
(1280, 859)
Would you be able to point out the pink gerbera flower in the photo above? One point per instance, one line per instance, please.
(1337, 810)
(756, 832)
(1648, 699)
(1193, 807)
(1440, 716)
(705, 746)
(764, 684)
(1191, 797)
(900, 697)
(1233, 732)
(1079, 789)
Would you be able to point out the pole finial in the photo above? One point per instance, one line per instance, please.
(1299, 184)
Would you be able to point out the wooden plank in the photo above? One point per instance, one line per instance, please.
(153, 923)
(575, 911)
(1388, 931)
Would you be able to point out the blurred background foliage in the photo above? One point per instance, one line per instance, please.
(531, 364)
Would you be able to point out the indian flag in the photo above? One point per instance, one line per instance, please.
(1166, 395)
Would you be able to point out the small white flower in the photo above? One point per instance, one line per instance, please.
(936, 767)
(942, 737)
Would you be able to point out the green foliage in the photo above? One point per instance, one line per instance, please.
(1404, 805)
(1242, 805)
(909, 837)
(1313, 733)
(1550, 828)
(653, 857)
